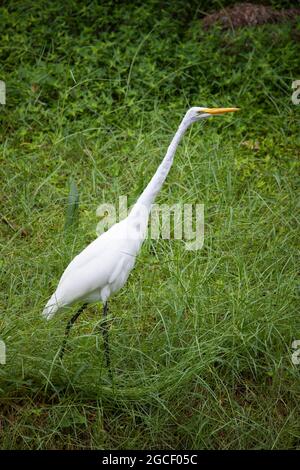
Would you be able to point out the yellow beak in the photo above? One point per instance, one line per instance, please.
(219, 110)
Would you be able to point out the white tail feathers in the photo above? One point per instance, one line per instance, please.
(51, 307)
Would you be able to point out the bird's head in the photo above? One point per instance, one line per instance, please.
(196, 113)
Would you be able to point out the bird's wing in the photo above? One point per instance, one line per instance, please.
(109, 256)
(94, 248)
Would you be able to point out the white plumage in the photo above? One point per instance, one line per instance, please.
(103, 267)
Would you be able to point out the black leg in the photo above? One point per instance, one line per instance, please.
(105, 332)
(68, 327)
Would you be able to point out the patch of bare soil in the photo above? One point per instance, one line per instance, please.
(249, 14)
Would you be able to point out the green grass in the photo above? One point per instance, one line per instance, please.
(201, 341)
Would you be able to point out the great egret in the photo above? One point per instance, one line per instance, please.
(103, 267)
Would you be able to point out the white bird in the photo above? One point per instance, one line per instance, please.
(103, 267)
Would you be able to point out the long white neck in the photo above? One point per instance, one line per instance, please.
(149, 194)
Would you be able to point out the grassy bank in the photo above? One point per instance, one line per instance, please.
(201, 341)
